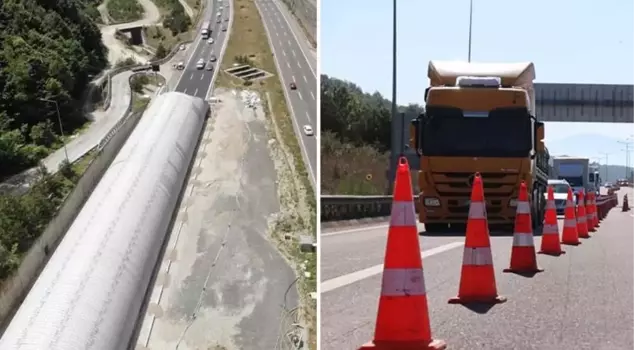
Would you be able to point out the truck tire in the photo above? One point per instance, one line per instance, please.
(436, 228)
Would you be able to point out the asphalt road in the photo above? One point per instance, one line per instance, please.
(583, 299)
(198, 82)
(221, 281)
(294, 65)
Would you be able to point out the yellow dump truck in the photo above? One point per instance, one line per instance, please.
(479, 117)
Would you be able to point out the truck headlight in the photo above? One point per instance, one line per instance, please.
(431, 202)
(513, 203)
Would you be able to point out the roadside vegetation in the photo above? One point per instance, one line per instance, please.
(123, 11)
(249, 44)
(49, 54)
(24, 218)
(143, 85)
(355, 138)
(176, 26)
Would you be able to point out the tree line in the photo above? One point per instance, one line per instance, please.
(355, 137)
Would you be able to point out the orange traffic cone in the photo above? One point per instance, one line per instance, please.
(477, 279)
(550, 233)
(402, 320)
(570, 236)
(595, 215)
(626, 204)
(523, 257)
(589, 219)
(582, 223)
(592, 213)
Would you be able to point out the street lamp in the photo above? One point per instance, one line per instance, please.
(395, 134)
(61, 129)
(470, 27)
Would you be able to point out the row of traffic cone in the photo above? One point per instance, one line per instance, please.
(403, 316)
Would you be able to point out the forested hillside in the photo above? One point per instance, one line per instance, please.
(49, 50)
(355, 138)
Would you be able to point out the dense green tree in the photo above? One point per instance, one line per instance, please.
(49, 50)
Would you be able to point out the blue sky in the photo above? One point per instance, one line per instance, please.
(569, 42)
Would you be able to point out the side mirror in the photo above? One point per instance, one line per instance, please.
(416, 131)
(539, 137)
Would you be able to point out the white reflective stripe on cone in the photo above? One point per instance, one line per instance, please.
(403, 214)
(569, 204)
(477, 210)
(550, 229)
(581, 218)
(523, 240)
(403, 282)
(523, 208)
(551, 205)
(477, 256)
(570, 223)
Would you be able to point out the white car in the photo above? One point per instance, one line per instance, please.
(560, 189)
(200, 64)
(210, 41)
(308, 130)
(180, 65)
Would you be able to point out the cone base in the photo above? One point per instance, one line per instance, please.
(406, 345)
(498, 299)
(584, 236)
(552, 253)
(571, 243)
(529, 270)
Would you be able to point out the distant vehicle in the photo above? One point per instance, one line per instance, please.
(220, 7)
(308, 130)
(210, 67)
(560, 188)
(227, 19)
(182, 47)
(200, 64)
(212, 58)
(219, 20)
(293, 86)
(205, 31)
(180, 65)
(210, 41)
(224, 29)
(219, 14)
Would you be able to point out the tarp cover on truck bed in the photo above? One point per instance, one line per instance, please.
(512, 74)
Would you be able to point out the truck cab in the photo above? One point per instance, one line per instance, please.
(479, 117)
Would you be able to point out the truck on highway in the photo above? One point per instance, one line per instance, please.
(205, 30)
(479, 117)
(578, 172)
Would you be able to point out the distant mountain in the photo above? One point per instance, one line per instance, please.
(593, 146)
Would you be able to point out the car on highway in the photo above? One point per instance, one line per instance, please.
(560, 187)
(293, 86)
(210, 67)
(224, 28)
(227, 19)
(180, 65)
(200, 64)
(210, 41)
(213, 58)
(308, 130)
(219, 20)
(182, 47)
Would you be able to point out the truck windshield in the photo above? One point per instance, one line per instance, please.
(502, 133)
(574, 181)
(560, 188)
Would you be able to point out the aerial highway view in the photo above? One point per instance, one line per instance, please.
(457, 212)
(182, 214)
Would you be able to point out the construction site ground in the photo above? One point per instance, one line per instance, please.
(583, 299)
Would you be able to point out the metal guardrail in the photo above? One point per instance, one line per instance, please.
(338, 208)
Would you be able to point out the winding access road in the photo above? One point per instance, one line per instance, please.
(297, 65)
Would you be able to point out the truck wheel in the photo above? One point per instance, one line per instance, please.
(436, 228)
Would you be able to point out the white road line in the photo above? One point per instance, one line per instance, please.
(312, 95)
(292, 78)
(284, 53)
(276, 34)
(306, 80)
(191, 76)
(289, 42)
(196, 92)
(299, 94)
(301, 47)
(288, 65)
(285, 34)
(308, 117)
(298, 65)
(353, 230)
(202, 75)
(185, 91)
(294, 54)
(357, 276)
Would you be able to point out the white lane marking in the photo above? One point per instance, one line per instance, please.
(357, 276)
(288, 42)
(353, 230)
(202, 75)
(312, 95)
(306, 80)
(185, 91)
(276, 34)
(294, 35)
(285, 34)
(300, 95)
(191, 76)
(284, 53)
(288, 65)
(308, 116)
(294, 54)
(298, 65)
(292, 78)
(196, 92)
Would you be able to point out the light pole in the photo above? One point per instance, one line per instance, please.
(627, 143)
(605, 154)
(61, 129)
(395, 134)
(470, 27)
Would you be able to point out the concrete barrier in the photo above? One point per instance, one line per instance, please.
(14, 289)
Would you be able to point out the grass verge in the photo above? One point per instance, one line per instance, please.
(248, 40)
(156, 36)
(123, 11)
(143, 87)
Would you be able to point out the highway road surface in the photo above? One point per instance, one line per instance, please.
(198, 82)
(294, 66)
(583, 299)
